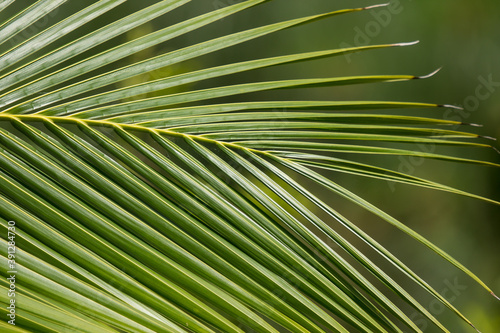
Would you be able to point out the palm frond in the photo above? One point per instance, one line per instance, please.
(179, 214)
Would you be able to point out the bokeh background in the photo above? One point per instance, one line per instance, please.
(462, 37)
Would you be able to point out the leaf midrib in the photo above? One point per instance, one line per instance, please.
(151, 130)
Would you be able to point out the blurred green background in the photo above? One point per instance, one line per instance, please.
(462, 37)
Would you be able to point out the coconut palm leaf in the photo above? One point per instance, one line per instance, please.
(182, 212)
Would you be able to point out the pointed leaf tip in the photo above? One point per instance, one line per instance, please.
(487, 137)
(472, 124)
(376, 6)
(498, 298)
(474, 327)
(429, 75)
(407, 44)
(451, 106)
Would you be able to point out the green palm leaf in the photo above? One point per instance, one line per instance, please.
(174, 214)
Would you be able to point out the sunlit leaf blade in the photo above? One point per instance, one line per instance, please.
(27, 17)
(68, 297)
(355, 149)
(72, 288)
(220, 92)
(327, 125)
(316, 135)
(82, 258)
(207, 117)
(5, 3)
(74, 48)
(45, 37)
(238, 89)
(188, 113)
(94, 100)
(360, 169)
